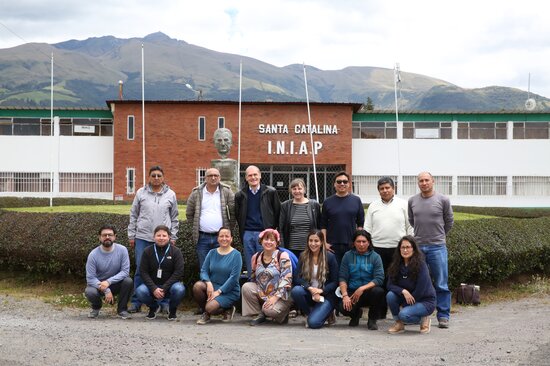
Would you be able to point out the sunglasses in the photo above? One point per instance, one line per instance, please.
(156, 175)
(341, 181)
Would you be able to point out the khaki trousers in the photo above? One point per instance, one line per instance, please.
(253, 304)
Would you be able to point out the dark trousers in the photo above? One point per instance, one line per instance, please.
(387, 256)
(123, 288)
(374, 298)
(339, 251)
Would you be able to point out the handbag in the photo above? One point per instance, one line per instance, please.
(467, 294)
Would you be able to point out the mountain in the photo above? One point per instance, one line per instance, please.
(86, 74)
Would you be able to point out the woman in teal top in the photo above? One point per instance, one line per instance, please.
(219, 288)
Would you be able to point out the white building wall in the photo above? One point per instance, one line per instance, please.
(456, 158)
(67, 154)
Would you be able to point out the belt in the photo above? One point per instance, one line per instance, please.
(211, 234)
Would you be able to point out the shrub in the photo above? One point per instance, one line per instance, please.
(517, 212)
(491, 250)
(58, 243)
(10, 202)
(487, 250)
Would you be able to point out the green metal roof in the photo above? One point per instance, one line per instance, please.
(63, 113)
(423, 116)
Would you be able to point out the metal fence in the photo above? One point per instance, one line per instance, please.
(68, 182)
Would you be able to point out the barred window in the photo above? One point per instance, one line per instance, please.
(442, 184)
(131, 125)
(367, 185)
(221, 122)
(85, 182)
(531, 186)
(201, 175)
(25, 182)
(482, 186)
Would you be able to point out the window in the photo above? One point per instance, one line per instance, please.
(26, 126)
(482, 130)
(531, 130)
(130, 180)
(24, 182)
(5, 126)
(482, 186)
(66, 127)
(442, 184)
(45, 127)
(85, 182)
(427, 130)
(531, 186)
(367, 185)
(201, 175)
(130, 128)
(374, 130)
(221, 122)
(202, 128)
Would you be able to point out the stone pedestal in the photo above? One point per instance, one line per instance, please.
(228, 171)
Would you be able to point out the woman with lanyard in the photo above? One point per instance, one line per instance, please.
(161, 269)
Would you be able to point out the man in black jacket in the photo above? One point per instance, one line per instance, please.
(257, 208)
(161, 269)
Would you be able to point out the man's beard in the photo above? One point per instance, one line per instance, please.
(107, 243)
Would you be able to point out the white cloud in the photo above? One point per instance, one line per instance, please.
(468, 43)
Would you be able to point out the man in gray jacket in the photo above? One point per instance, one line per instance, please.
(211, 206)
(154, 205)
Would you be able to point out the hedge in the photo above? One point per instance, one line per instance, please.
(518, 212)
(59, 243)
(487, 250)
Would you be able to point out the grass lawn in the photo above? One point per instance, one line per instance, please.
(125, 210)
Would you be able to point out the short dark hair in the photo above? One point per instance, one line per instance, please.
(341, 173)
(162, 227)
(156, 167)
(366, 234)
(385, 180)
(107, 227)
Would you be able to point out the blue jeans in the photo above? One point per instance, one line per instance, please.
(251, 246)
(436, 259)
(174, 296)
(317, 312)
(409, 314)
(205, 243)
(139, 247)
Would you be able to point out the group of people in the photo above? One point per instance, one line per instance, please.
(296, 254)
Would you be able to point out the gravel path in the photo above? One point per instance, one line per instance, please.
(35, 333)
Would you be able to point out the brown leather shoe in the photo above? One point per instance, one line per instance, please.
(396, 328)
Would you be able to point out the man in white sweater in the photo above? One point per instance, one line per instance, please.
(108, 274)
(387, 221)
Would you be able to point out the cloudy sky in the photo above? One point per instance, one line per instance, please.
(469, 43)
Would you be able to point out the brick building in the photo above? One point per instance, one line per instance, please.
(274, 136)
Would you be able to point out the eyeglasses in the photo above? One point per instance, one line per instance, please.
(156, 175)
(339, 181)
(406, 248)
(107, 235)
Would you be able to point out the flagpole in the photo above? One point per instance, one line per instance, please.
(51, 133)
(313, 152)
(143, 112)
(240, 110)
(397, 80)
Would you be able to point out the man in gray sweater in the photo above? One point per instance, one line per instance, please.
(108, 274)
(431, 216)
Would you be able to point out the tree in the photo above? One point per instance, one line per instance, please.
(369, 106)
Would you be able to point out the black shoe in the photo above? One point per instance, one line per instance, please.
(199, 311)
(371, 324)
(172, 315)
(258, 320)
(134, 309)
(152, 314)
(354, 321)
